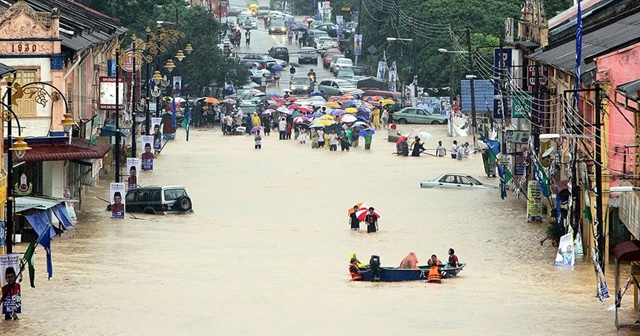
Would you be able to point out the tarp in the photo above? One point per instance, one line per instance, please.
(40, 221)
(60, 210)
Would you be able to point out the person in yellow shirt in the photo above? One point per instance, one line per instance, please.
(376, 118)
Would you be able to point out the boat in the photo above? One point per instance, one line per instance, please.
(393, 274)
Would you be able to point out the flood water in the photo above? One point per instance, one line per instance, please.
(266, 252)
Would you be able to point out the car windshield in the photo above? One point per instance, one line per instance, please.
(174, 194)
(346, 73)
(300, 81)
(347, 85)
(474, 180)
(324, 40)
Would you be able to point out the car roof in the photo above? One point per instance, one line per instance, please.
(308, 48)
(343, 81)
(161, 187)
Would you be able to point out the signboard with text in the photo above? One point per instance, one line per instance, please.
(501, 87)
(107, 99)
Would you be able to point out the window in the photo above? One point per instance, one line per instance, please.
(142, 196)
(131, 196)
(26, 105)
(173, 194)
(410, 111)
(154, 195)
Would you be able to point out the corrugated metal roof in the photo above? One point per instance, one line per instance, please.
(39, 203)
(629, 90)
(615, 35)
(88, 27)
(62, 151)
(5, 69)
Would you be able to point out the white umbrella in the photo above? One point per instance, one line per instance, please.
(356, 92)
(283, 109)
(317, 98)
(347, 118)
(425, 135)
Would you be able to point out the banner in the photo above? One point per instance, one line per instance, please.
(393, 76)
(382, 68)
(147, 154)
(534, 205)
(66, 194)
(10, 268)
(156, 130)
(117, 193)
(566, 255)
(133, 167)
(357, 45)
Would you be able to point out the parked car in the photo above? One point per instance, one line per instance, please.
(336, 87)
(342, 63)
(326, 43)
(360, 71)
(330, 28)
(266, 61)
(308, 55)
(281, 53)
(459, 181)
(345, 74)
(418, 116)
(326, 59)
(314, 35)
(158, 199)
(277, 26)
(350, 27)
(299, 85)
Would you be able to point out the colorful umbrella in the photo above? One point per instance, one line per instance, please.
(292, 99)
(253, 6)
(316, 125)
(367, 130)
(256, 128)
(346, 98)
(337, 112)
(303, 109)
(401, 139)
(332, 105)
(273, 95)
(268, 111)
(230, 101)
(362, 214)
(300, 120)
(211, 100)
(282, 109)
(277, 67)
(360, 205)
(324, 122)
(351, 110)
(274, 106)
(317, 114)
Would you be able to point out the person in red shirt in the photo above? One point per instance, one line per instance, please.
(453, 259)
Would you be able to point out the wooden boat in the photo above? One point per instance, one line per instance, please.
(392, 274)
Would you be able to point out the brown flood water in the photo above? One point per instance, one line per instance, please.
(266, 252)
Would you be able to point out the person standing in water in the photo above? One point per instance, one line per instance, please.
(353, 219)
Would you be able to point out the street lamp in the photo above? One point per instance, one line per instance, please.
(20, 147)
(67, 123)
(415, 62)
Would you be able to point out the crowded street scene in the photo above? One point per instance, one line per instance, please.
(286, 167)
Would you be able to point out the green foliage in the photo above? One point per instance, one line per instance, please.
(203, 68)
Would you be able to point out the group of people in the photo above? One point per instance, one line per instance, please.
(459, 152)
(416, 148)
(435, 274)
(370, 220)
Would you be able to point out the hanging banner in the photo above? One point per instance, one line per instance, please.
(499, 60)
(382, 68)
(566, 256)
(534, 206)
(133, 167)
(157, 133)
(578, 244)
(147, 154)
(117, 193)
(393, 76)
(10, 268)
(357, 45)
(66, 194)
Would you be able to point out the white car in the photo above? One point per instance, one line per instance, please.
(458, 181)
(324, 43)
(342, 63)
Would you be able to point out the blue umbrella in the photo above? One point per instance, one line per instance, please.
(367, 130)
(273, 94)
(317, 114)
(363, 118)
(337, 112)
(277, 67)
(315, 93)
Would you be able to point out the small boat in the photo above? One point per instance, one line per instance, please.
(392, 274)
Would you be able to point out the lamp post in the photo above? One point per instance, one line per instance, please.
(19, 148)
(471, 77)
(117, 114)
(415, 64)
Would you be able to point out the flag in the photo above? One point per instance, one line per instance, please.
(174, 122)
(541, 177)
(505, 177)
(28, 258)
(186, 122)
(494, 149)
(576, 84)
(45, 241)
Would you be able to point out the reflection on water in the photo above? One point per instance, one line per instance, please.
(265, 252)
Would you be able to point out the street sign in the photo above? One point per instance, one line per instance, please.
(542, 71)
(126, 63)
(521, 105)
(506, 60)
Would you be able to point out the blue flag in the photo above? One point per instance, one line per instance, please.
(576, 84)
(45, 241)
(174, 121)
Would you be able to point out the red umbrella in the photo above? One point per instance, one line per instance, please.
(293, 106)
(303, 109)
(292, 99)
(300, 120)
(401, 139)
(362, 214)
(274, 106)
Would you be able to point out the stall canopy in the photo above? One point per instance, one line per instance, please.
(627, 251)
(42, 217)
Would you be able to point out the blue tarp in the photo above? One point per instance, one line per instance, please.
(40, 221)
(61, 213)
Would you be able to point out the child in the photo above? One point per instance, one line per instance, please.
(258, 140)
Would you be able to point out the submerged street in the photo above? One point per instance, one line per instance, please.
(266, 252)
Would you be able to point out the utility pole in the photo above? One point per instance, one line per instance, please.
(535, 112)
(474, 123)
(415, 66)
(503, 99)
(133, 102)
(147, 120)
(598, 169)
(9, 215)
(117, 116)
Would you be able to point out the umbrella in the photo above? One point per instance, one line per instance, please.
(414, 133)
(292, 99)
(359, 125)
(282, 109)
(387, 102)
(317, 114)
(268, 111)
(346, 98)
(337, 112)
(367, 130)
(347, 118)
(317, 98)
(316, 125)
(357, 92)
(425, 135)
(293, 106)
(253, 6)
(256, 99)
(296, 114)
(360, 205)
(295, 65)
(335, 127)
(211, 100)
(300, 120)
(273, 95)
(310, 20)
(277, 67)
(303, 109)
(324, 122)
(256, 128)
(315, 94)
(274, 106)
(332, 105)
(351, 110)
(230, 101)
(247, 27)
(401, 139)
(362, 214)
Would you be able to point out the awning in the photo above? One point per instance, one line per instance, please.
(627, 251)
(62, 151)
(5, 69)
(40, 221)
(629, 90)
(37, 203)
